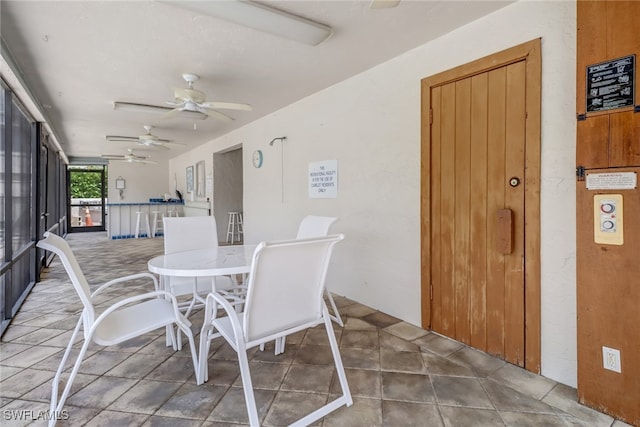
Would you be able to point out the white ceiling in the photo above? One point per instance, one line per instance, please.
(78, 57)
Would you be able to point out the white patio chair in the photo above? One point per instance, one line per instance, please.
(126, 319)
(318, 226)
(191, 233)
(284, 296)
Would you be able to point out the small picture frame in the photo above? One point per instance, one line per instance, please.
(120, 183)
(189, 179)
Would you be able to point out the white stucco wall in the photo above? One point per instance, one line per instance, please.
(143, 181)
(370, 124)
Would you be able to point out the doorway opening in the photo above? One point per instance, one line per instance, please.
(228, 193)
(87, 198)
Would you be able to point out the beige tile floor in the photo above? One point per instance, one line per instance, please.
(399, 374)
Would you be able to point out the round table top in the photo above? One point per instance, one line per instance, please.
(233, 259)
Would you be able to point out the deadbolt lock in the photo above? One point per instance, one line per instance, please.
(514, 181)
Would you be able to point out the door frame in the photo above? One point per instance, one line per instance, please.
(103, 205)
(531, 53)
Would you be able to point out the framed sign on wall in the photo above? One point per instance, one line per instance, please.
(189, 179)
(200, 179)
(323, 179)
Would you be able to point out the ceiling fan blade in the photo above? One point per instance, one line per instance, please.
(174, 143)
(227, 105)
(113, 156)
(171, 113)
(174, 104)
(117, 138)
(139, 107)
(148, 162)
(153, 144)
(383, 4)
(215, 114)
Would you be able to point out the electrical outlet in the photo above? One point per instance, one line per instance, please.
(611, 359)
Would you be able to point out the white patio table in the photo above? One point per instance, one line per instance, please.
(225, 260)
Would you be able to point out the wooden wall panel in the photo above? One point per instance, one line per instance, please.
(623, 21)
(495, 201)
(592, 149)
(608, 314)
(514, 199)
(435, 208)
(592, 42)
(462, 208)
(447, 207)
(625, 139)
(608, 287)
(478, 200)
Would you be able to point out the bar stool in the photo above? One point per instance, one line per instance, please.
(145, 217)
(157, 223)
(234, 227)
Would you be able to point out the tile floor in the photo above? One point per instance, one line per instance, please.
(399, 374)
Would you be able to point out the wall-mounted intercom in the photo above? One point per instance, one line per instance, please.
(607, 219)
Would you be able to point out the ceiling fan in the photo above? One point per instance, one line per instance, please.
(193, 100)
(146, 140)
(131, 157)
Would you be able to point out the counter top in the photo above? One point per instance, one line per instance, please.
(147, 203)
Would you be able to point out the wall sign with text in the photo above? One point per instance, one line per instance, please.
(611, 84)
(323, 179)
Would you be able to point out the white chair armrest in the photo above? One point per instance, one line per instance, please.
(126, 279)
(211, 312)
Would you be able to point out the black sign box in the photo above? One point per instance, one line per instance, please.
(611, 84)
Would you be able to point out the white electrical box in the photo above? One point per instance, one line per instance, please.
(608, 226)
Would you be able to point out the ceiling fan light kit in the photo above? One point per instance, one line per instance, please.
(263, 18)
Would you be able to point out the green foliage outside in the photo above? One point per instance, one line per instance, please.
(85, 184)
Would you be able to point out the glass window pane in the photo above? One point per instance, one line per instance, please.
(21, 180)
(3, 151)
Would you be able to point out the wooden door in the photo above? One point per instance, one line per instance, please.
(477, 209)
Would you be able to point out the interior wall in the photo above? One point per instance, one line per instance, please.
(227, 188)
(370, 124)
(143, 181)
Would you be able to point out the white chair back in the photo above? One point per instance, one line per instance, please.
(286, 284)
(60, 247)
(189, 233)
(315, 226)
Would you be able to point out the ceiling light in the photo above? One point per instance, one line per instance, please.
(147, 108)
(261, 17)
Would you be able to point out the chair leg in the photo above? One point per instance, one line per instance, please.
(203, 354)
(192, 347)
(56, 378)
(247, 385)
(58, 404)
(279, 344)
(337, 359)
(336, 314)
(346, 398)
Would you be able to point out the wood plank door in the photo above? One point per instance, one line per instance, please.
(477, 209)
